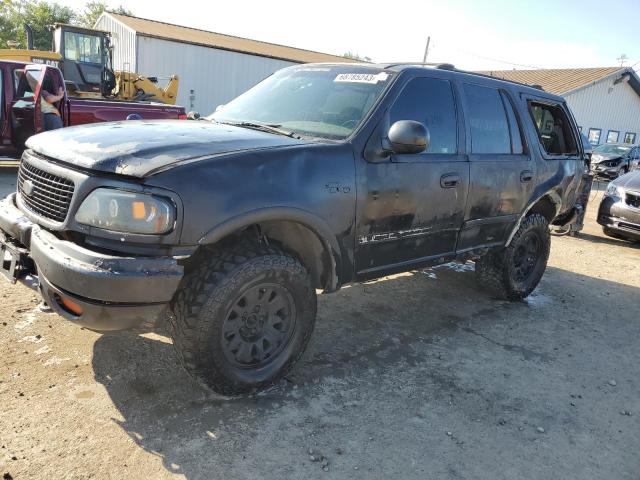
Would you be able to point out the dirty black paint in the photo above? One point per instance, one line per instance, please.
(376, 212)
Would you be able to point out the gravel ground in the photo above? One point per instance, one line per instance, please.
(420, 375)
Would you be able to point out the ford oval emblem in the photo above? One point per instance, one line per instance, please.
(27, 187)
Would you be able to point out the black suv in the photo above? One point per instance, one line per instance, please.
(319, 176)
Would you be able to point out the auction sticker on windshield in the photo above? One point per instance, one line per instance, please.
(362, 77)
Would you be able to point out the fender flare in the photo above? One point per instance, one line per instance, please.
(307, 219)
(555, 199)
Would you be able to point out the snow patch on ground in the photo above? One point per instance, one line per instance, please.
(27, 320)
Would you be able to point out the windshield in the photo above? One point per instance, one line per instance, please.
(325, 101)
(615, 149)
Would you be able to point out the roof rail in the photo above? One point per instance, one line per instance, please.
(484, 75)
(442, 66)
(449, 66)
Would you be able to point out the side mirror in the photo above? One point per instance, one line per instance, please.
(193, 115)
(408, 136)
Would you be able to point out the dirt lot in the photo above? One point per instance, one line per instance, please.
(420, 375)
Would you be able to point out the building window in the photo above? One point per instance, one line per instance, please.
(594, 136)
(612, 136)
(630, 137)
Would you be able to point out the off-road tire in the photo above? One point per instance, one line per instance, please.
(201, 304)
(495, 271)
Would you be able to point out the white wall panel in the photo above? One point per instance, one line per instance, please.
(608, 107)
(123, 40)
(208, 77)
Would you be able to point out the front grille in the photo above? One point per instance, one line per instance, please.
(49, 195)
(630, 226)
(633, 199)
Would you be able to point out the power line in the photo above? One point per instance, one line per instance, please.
(500, 61)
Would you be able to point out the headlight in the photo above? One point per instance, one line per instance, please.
(128, 212)
(614, 191)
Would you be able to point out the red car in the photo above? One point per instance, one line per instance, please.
(21, 86)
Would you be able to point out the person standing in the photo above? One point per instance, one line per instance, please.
(50, 114)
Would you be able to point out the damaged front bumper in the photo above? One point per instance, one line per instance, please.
(97, 290)
(614, 214)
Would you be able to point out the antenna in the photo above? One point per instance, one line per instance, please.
(622, 59)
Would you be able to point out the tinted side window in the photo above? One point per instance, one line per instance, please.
(488, 120)
(430, 101)
(554, 130)
(514, 126)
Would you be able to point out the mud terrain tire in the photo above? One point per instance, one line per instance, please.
(243, 317)
(514, 272)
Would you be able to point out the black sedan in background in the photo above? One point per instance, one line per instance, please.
(619, 212)
(613, 159)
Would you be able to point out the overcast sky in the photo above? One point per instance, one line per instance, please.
(494, 34)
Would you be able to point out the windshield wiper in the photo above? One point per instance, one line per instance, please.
(264, 127)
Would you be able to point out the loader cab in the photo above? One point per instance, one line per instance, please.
(86, 60)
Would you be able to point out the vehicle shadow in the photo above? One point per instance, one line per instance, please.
(364, 330)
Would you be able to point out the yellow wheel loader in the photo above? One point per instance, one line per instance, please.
(84, 57)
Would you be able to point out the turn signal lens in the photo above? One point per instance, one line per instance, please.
(138, 211)
(71, 306)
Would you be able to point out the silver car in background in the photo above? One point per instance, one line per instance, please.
(611, 160)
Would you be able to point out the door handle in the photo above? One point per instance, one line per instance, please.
(526, 176)
(449, 180)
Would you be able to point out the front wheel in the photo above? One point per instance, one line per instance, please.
(515, 271)
(243, 318)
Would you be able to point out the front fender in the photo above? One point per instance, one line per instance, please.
(307, 219)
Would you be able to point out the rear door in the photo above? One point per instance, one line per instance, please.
(502, 173)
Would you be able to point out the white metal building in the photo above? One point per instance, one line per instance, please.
(213, 68)
(604, 101)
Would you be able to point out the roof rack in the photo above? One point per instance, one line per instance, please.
(441, 66)
(449, 66)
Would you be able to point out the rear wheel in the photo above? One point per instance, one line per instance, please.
(243, 318)
(515, 271)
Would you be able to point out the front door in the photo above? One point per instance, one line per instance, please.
(410, 207)
(6, 145)
(27, 110)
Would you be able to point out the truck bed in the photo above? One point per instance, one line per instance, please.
(83, 110)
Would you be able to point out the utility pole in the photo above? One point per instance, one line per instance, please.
(426, 50)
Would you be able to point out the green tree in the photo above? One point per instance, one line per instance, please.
(92, 11)
(40, 15)
(355, 56)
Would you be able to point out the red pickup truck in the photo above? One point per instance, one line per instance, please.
(21, 85)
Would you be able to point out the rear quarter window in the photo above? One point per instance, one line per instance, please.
(554, 129)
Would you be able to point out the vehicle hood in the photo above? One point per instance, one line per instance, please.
(603, 157)
(139, 148)
(629, 181)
